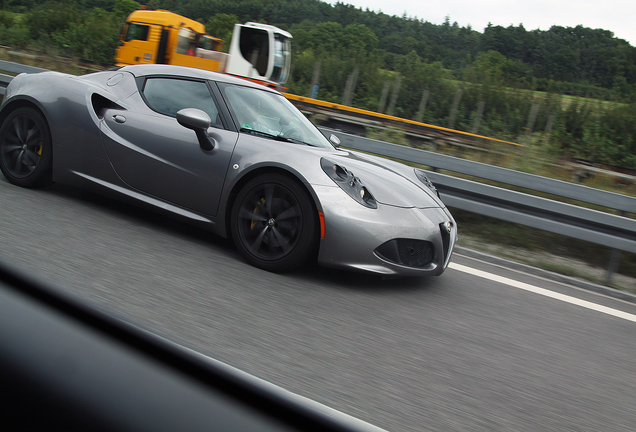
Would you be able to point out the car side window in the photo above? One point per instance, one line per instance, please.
(169, 95)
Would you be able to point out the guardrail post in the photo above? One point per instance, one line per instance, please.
(420, 112)
(532, 118)
(480, 113)
(612, 267)
(614, 261)
(394, 96)
(350, 87)
(385, 95)
(453, 113)
(313, 90)
(548, 127)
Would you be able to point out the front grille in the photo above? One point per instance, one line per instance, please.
(407, 252)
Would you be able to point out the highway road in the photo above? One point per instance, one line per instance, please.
(480, 348)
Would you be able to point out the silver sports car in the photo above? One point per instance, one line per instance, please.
(228, 155)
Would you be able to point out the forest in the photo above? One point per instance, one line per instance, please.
(577, 84)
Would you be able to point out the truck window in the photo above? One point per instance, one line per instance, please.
(210, 43)
(254, 44)
(136, 32)
(187, 42)
(281, 54)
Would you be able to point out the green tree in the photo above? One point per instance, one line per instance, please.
(123, 8)
(153, 4)
(493, 68)
(222, 26)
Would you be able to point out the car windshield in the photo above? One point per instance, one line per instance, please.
(271, 115)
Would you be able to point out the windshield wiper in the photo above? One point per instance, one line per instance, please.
(279, 137)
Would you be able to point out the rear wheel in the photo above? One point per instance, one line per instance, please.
(25, 148)
(273, 223)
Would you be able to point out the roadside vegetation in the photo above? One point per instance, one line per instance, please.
(524, 80)
(564, 94)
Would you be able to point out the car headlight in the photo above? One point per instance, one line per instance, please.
(349, 183)
(421, 174)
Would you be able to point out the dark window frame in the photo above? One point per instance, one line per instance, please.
(128, 38)
(221, 116)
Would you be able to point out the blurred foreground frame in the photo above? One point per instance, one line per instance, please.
(67, 366)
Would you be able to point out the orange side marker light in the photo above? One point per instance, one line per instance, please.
(321, 216)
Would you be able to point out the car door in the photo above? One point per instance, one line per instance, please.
(153, 153)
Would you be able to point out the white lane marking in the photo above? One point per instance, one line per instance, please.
(544, 292)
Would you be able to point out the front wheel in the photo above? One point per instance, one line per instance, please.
(25, 149)
(273, 223)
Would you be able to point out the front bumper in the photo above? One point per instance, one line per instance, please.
(388, 240)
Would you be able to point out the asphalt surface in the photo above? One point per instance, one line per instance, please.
(458, 352)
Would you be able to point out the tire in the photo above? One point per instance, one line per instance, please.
(25, 149)
(273, 223)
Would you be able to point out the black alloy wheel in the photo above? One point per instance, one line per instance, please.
(25, 148)
(274, 224)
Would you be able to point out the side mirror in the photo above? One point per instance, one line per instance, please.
(199, 121)
(334, 140)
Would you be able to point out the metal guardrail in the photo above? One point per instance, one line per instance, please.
(613, 231)
(4, 82)
(14, 68)
(17, 68)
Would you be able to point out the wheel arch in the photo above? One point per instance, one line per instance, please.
(269, 169)
(20, 103)
(27, 102)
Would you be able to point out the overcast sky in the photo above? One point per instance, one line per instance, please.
(617, 16)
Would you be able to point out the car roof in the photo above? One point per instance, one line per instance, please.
(188, 72)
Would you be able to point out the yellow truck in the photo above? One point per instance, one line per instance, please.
(258, 52)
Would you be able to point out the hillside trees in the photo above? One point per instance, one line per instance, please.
(86, 33)
(221, 26)
(577, 61)
(495, 71)
(340, 51)
(573, 60)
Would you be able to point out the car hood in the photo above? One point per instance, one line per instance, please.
(389, 182)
